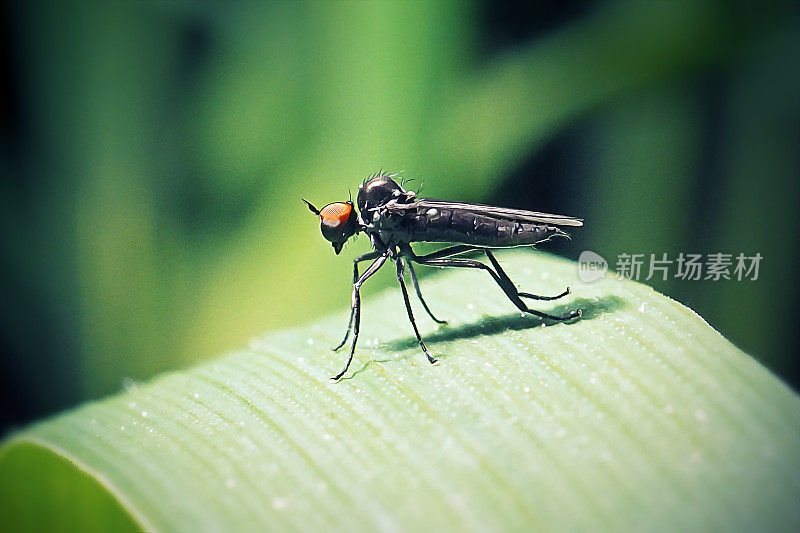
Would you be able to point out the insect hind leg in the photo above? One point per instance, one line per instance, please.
(504, 283)
(540, 297)
(506, 279)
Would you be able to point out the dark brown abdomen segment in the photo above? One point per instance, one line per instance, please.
(448, 225)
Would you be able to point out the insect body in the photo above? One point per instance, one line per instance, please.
(393, 218)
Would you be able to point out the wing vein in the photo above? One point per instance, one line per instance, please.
(505, 213)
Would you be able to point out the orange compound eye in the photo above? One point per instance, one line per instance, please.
(336, 214)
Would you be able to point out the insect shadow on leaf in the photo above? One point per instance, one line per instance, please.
(494, 325)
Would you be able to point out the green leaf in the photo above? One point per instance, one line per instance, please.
(638, 416)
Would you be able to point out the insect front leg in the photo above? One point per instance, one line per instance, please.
(355, 323)
(356, 261)
(408, 309)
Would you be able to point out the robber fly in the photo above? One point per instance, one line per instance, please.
(393, 218)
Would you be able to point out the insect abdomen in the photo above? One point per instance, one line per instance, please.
(449, 225)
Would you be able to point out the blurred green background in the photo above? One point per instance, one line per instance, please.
(154, 156)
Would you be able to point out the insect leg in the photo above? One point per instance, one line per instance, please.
(408, 309)
(378, 263)
(419, 295)
(502, 274)
(507, 287)
(356, 261)
(444, 252)
(539, 297)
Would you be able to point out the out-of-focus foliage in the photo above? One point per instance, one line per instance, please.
(156, 153)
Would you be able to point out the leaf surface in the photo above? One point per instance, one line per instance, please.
(637, 416)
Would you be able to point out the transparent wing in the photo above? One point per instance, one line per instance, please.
(505, 213)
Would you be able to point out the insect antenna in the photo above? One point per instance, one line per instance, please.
(311, 207)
